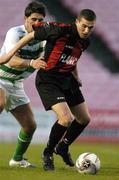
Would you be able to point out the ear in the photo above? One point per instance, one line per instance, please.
(25, 17)
(76, 20)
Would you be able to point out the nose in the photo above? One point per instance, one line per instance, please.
(86, 30)
(36, 22)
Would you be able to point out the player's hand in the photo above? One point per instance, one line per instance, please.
(38, 64)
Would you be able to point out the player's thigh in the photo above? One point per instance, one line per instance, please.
(63, 112)
(81, 113)
(24, 116)
(50, 95)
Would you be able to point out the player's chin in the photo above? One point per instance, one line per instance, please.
(84, 36)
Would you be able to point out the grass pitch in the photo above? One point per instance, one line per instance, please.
(108, 154)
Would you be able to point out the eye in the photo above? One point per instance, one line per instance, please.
(91, 27)
(84, 26)
(34, 19)
(37, 19)
(40, 19)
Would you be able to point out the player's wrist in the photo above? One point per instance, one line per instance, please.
(41, 58)
(31, 62)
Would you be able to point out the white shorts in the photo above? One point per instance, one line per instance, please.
(15, 94)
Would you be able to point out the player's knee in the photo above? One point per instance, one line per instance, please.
(30, 128)
(32, 124)
(66, 119)
(86, 120)
(33, 127)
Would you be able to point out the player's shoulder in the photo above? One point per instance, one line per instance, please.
(17, 30)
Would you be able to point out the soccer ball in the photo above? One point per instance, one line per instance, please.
(88, 163)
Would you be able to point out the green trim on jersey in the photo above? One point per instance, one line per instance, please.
(30, 51)
(10, 70)
(13, 75)
(15, 71)
(10, 79)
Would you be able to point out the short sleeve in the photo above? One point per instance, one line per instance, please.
(10, 40)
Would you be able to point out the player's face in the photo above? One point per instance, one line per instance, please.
(34, 18)
(85, 27)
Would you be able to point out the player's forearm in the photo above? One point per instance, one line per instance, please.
(5, 58)
(22, 42)
(17, 62)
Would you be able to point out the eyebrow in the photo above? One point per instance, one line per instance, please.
(88, 26)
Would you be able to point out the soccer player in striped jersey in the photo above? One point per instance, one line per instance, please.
(12, 95)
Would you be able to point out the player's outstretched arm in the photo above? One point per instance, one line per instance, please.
(22, 42)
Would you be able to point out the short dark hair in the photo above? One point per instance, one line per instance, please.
(35, 7)
(88, 14)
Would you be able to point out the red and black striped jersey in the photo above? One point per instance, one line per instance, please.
(63, 45)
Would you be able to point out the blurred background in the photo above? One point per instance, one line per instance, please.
(98, 69)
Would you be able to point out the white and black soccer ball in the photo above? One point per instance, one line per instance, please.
(88, 163)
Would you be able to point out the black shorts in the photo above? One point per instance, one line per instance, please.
(54, 89)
